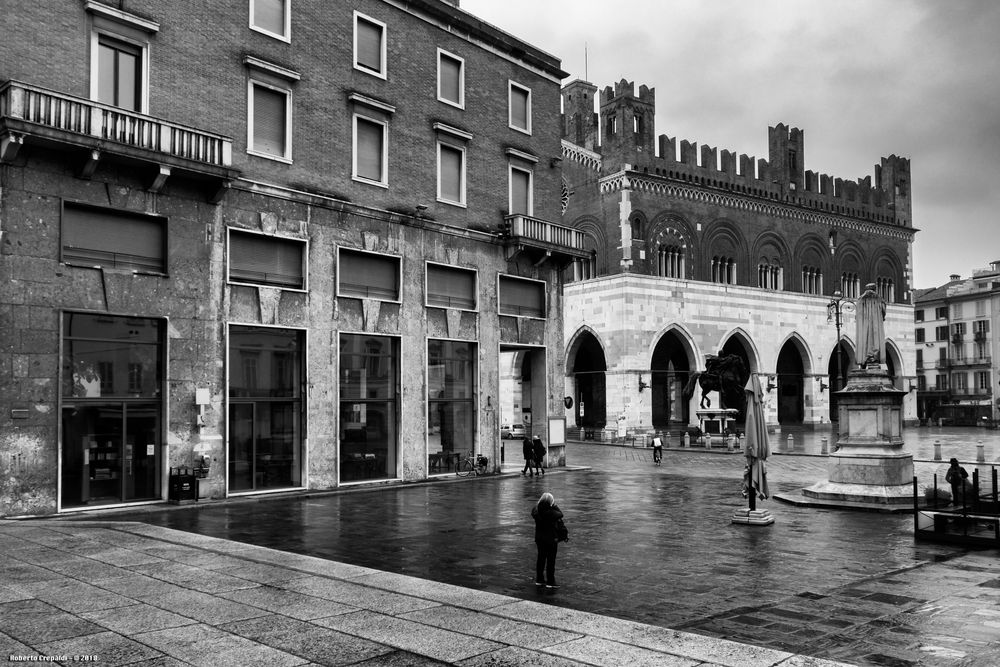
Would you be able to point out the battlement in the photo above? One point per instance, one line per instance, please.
(626, 141)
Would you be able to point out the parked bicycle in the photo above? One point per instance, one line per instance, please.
(473, 464)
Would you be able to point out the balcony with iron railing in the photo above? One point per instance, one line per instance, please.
(543, 239)
(972, 361)
(34, 115)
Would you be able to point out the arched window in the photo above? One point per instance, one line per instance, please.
(723, 270)
(812, 280)
(637, 228)
(849, 284)
(585, 269)
(770, 276)
(670, 261)
(885, 288)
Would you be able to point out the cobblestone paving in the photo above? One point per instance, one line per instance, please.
(656, 545)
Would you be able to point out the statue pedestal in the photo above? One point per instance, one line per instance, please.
(869, 466)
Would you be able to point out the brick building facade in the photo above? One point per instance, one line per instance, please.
(284, 243)
(708, 252)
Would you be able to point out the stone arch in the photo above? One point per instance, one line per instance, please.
(811, 266)
(739, 342)
(844, 361)
(595, 241)
(671, 244)
(791, 369)
(638, 225)
(770, 259)
(723, 240)
(894, 364)
(672, 359)
(885, 266)
(851, 263)
(586, 365)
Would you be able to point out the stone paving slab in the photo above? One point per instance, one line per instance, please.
(321, 613)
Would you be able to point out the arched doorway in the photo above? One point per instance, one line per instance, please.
(841, 361)
(588, 369)
(791, 381)
(736, 345)
(669, 369)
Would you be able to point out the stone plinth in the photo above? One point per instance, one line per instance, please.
(869, 465)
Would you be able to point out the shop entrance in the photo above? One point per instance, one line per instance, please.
(522, 389)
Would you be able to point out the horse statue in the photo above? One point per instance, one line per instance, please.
(724, 373)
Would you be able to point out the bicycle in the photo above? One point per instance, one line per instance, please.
(473, 464)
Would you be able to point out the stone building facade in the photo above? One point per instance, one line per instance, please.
(705, 252)
(957, 349)
(282, 243)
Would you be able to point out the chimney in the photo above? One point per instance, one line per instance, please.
(954, 277)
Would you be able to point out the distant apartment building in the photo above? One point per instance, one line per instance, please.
(696, 252)
(957, 349)
(284, 242)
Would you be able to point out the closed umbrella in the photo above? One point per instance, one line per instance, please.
(756, 449)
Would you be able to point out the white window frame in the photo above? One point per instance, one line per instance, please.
(121, 36)
(442, 54)
(475, 286)
(287, 92)
(399, 274)
(545, 297)
(510, 189)
(305, 259)
(384, 182)
(383, 73)
(440, 196)
(286, 35)
(511, 85)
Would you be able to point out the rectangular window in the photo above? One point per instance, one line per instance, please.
(942, 356)
(270, 121)
(451, 174)
(369, 407)
(958, 328)
(368, 275)
(956, 311)
(941, 333)
(941, 382)
(523, 297)
(918, 316)
(369, 45)
(93, 236)
(959, 381)
(983, 381)
(521, 195)
(119, 73)
(451, 406)
(941, 313)
(920, 335)
(980, 308)
(370, 150)
(921, 383)
(266, 260)
(266, 370)
(920, 358)
(520, 108)
(272, 17)
(451, 287)
(451, 79)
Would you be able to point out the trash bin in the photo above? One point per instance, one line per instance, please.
(182, 486)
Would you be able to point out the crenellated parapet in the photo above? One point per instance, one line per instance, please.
(625, 140)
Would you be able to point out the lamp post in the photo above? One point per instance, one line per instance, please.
(834, 313)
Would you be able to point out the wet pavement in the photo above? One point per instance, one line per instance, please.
(656, 545)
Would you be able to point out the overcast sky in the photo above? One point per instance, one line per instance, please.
(862, 78)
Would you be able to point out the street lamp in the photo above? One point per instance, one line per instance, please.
(834, 313)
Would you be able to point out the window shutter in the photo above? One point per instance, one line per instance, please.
(519, 108)
(521, 297)
(369, 45)
(520, 186)
(97, 237)
(269, 15)
(449, 287)
(266, 260)
(369, 147)
(269, 122)
(450, 85)
(368, 276)
(451, 174)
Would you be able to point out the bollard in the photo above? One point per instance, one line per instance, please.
(790, 442)
(731, 443)
(687, 439)
(980, 453)
(708, 441)
(937, 450)
(823, 446)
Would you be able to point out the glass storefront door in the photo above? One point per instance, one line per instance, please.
(111, 410)
(369, 393)
(451, 414)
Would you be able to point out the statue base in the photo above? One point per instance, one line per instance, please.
(869, 466)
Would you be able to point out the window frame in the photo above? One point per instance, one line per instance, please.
(285, 36)
(451, 267)
(111, 32)
(358, 251)
(159, 220)
(382, 73)
(441, 56)
(384, 182)
(510, 189)
(463, 175)
(283, 238)
(545, 296)
(253, 81)
(511, 84)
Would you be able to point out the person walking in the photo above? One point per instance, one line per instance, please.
(956, 476)
(538, 452)
(528, 450)
(548, 518)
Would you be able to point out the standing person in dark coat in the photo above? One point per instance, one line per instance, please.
(538, 453)
(957, 476)
(547, 516)
(529, 457)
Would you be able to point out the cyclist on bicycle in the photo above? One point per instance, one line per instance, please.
(657, 448)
